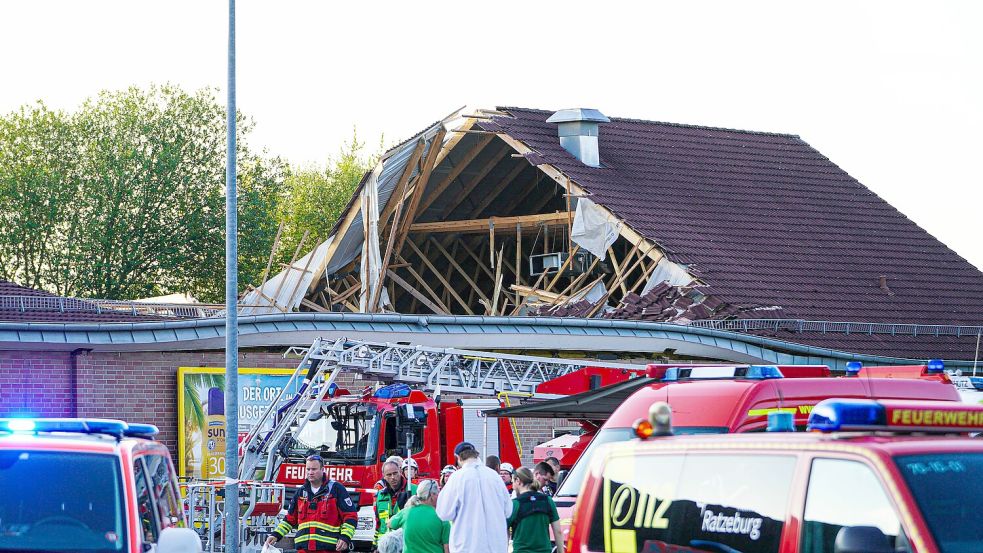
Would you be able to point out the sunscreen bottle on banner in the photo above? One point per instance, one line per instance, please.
(213, 444)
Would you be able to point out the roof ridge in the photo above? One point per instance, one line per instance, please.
(668, 123)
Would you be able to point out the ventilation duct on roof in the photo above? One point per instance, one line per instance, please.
(578, 130)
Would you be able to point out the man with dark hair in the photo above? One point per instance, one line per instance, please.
(546, 477)
(395, 491)
(555, 463)
(322, 512)
(476, 503)
(493, 462)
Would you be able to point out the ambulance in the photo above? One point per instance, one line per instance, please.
(92, 485)
(871, 476)
(734, 399)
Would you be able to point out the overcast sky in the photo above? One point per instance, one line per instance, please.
(890, 91)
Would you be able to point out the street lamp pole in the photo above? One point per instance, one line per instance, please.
(231, 301)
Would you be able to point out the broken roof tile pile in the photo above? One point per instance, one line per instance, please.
(766, 220)
(23, 304)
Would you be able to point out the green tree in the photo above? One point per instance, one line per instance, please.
(315, 197)
(125, 197)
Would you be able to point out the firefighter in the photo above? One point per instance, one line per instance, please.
(322, 512)
(392, 497)
(410, 469)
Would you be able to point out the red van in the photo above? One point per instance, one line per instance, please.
(709, 402)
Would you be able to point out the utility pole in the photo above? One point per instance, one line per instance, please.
(231, 301)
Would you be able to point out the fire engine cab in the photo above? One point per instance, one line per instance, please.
(872, 476)
(70, 485)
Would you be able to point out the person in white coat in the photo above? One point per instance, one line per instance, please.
(476, 504)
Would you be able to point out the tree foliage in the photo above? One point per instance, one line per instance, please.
(315, 197)
(124, 197)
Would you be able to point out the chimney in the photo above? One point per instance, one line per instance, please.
(577, 129)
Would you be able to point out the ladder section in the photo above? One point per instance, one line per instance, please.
(453, 370)
(289, 415)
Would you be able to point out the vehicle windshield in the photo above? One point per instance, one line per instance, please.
(571, 484)
(346, 433)
(949, 491)
(60, 501)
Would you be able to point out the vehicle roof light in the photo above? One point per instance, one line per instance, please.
(833, 415)
(20, 425)
(977, 382)
(853, 368)
(935, 366)
(393, 391)
(642, 428)
(781, 421)
(732, 372)
(115, 428)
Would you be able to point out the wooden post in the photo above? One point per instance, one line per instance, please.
(518, 254)
(276, 243)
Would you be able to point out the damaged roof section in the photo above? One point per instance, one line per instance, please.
(586, 216)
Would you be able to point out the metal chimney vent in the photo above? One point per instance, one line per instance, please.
(578, 131)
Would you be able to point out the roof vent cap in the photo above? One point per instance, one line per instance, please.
(578, 131)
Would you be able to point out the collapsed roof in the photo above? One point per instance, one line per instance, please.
(512, 212)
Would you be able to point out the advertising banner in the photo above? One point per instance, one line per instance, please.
(201, 413)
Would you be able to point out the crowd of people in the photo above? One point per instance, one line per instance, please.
(472, 507)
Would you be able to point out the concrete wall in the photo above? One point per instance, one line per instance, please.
(142, 387)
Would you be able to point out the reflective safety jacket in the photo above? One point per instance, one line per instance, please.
(321, 518)
(388, 502)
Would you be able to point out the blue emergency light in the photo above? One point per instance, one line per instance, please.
(750, 372)
(935, 366)
(115, 428)
(840, 414)
(853, 368)
(781, 421)
(393, 391)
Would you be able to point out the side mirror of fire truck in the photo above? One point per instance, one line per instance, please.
(562, 476)
(179, 540)
(861, 539)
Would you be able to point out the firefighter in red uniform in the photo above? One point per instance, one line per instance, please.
(322, 512)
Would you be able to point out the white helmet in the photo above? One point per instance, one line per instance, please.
(506, 467)
(410, 463)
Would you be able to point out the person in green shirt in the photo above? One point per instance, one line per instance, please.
(533, 514)
(423, 531)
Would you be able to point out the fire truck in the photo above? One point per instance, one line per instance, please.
(355, 432)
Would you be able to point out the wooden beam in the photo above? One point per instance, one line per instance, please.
(498, 285)
(506, 224)
(617, 266)
(423, 283)
(306, 267)
(526, 291)
(308, 303)
(460, 270)
(476, 179)
(571, 288)
(276, 244)
(440, 277)
(402, 185)
(415, 293)
(477, 260)
(419, 190)
(600, 303)
(287, 271)
(442, 185)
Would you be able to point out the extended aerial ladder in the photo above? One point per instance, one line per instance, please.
(429, 368)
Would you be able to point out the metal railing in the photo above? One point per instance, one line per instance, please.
(831, 327)
(27, 304)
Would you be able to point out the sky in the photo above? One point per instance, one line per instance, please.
(892, 91)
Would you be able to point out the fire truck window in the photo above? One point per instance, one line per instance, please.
(145, 507)
(846, 493)
(697, 502)
(165, 496)
(395, 438)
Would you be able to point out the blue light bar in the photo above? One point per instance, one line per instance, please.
(393, 391)
(748, 372)
(136, 430)
(935, 366)
(853, 368)
(115, 428)
(832, 415)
